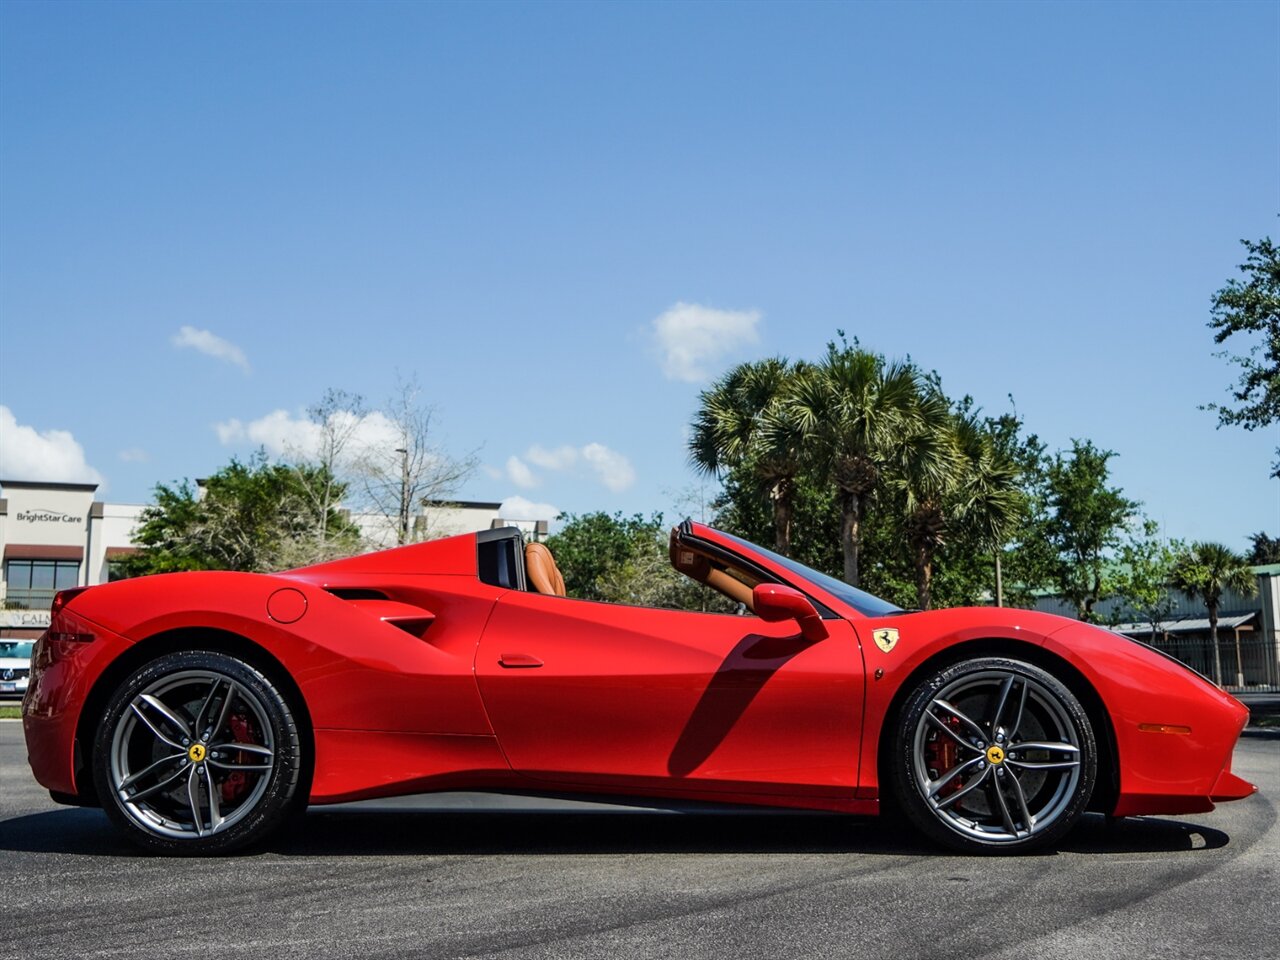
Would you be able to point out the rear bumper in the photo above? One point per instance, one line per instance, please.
(62, 675)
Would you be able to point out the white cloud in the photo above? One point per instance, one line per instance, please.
(53, 456)
(518, 508)
(283, 434)
(134, 455)
(518, 472)
(211, 345)
(690, 336)
(613, 469)
(561, 458)
(610, 467)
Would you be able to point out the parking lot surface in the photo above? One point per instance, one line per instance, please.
(409, 879)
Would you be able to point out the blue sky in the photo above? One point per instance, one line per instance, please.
(504, 201)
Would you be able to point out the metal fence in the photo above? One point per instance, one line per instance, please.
(21, 598)
(1252, 658)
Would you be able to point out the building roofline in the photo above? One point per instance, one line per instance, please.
(41, 485)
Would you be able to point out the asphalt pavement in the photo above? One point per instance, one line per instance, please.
(413, 879)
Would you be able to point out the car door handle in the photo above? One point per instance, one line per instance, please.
(518, 660)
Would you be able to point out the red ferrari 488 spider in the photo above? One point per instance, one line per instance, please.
(202, 709)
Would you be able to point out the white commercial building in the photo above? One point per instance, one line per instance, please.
(54, 536)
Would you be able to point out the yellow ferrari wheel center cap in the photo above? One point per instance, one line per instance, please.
(995, 754)
(196, 752)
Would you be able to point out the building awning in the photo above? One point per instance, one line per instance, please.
(41, 551)
(1183, 625)
(118, 553)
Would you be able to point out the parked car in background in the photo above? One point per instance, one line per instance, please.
(15, 667)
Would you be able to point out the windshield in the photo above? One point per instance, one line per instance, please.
(865, 603)
(11, 650)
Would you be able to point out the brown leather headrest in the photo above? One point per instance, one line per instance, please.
(541, 569)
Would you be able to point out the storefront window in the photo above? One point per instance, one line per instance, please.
(31, 584)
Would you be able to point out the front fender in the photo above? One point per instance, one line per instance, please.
(1175, 731)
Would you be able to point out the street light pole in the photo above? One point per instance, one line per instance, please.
(403, 537)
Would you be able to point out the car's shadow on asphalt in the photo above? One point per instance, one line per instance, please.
(323, 833)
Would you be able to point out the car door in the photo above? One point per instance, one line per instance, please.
(581, 692)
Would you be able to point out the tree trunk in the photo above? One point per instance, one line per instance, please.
(999, 582)
(781, 494)
(1213, 637)
(924, 576)
(850, 535)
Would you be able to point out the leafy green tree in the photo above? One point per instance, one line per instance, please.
(165, 535)
(1252, 308)
(1086, 521)
(1206, 571)
(854, 409)
(589, 546)
(253, 515)
(742, 422)
(1265, 550)
(1145, 568)
(622, 559)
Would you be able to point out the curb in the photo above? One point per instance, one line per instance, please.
(1261, 733)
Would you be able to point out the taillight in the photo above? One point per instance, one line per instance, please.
(64, 636)
(63, 597)
(66, 631)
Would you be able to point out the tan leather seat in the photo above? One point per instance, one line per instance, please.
(541, 569)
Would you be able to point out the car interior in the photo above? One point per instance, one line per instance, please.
(505, 560)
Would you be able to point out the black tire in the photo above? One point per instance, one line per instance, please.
(992, 755)
(198, 753)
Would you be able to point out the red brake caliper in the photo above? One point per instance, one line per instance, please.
(942, 754)
(236, 783)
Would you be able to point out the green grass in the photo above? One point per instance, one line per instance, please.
(10, 711)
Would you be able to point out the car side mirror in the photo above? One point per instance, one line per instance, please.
(774, 602)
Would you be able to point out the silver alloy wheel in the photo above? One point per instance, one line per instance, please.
(192, 754)
(996, 757)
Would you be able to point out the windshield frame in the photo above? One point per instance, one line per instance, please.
(866, 604)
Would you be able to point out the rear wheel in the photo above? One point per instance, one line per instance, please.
(993, 755)
(198, 752)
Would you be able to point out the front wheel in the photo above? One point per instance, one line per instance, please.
(198, 752)
(993, 755)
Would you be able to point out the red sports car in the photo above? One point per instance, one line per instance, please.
(202, 709)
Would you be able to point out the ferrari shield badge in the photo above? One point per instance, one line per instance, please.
(885, 639)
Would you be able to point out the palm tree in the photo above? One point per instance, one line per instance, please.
(929, 470)
(1204, 573)
(991, 502)
(854, 409)
(742, 421)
